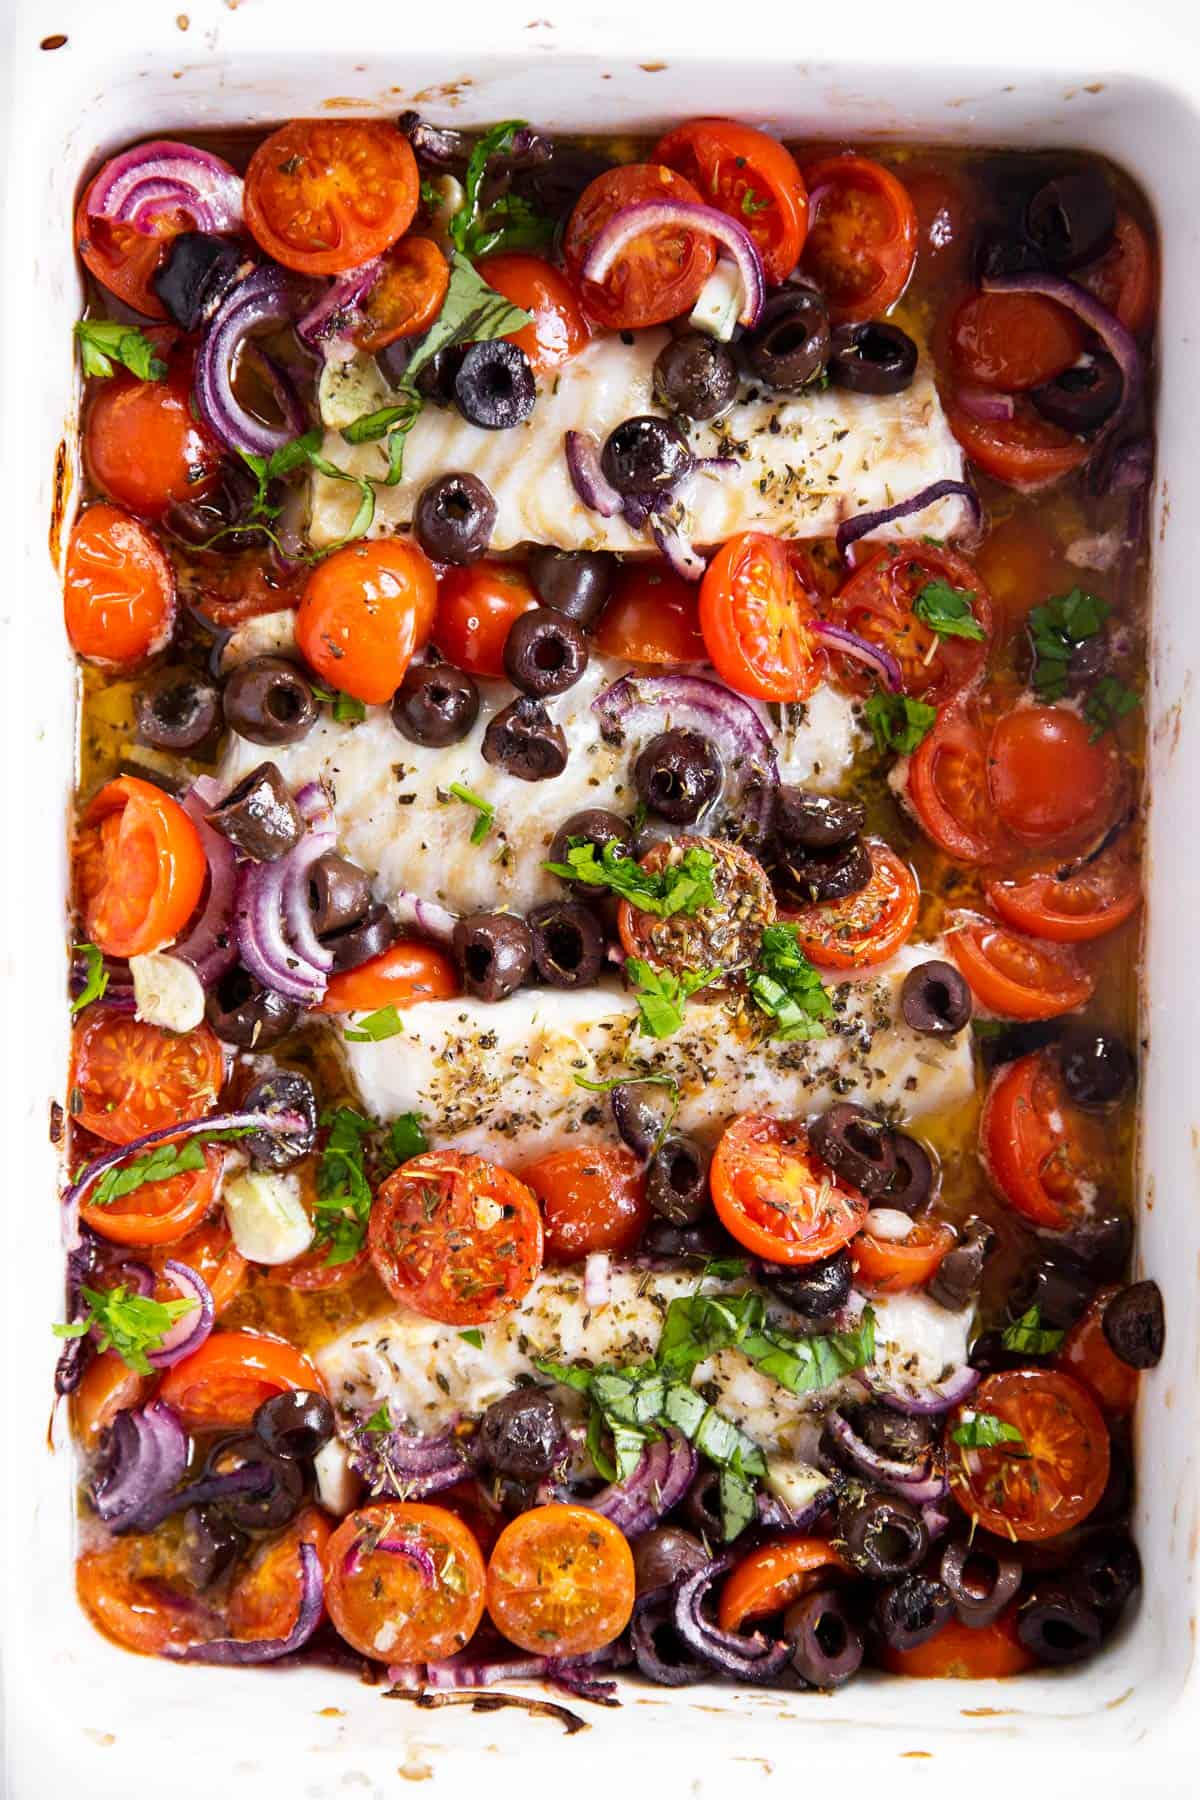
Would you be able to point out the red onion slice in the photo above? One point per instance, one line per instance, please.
(879, 660)
(330, 315)
(985, 403)
(406, 1465)
(264, 298)
(475, 1668)
(663, 1476)
(920, 1484)
(139, 186)
(657, 1650)
(677, 547)
(209, 947)
(654, 215)
(937, 1397)
(431, 919)
(240, 1651)
(751, 1657)
(192, 1328)
(850, 530)
(275, 936)
(587, 477)
(145, 1456)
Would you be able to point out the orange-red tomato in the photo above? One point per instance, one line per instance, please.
(139, 868)
(660, 272)
(143, 445)
(1045, 1157)
(1025, 452)
(159, 1212)
(947, 786)
(264, 1601)
(1125, 278)
(408, 295)
(313, 1273)
(652, 617)
(118, 589)
(129, 1077)
(748, 175)
(1016, 977)
(560, 1581)
(862, 236)
(1087, 1355)
(768, 1579)
(559, 329)
(593, 1198)
(1012, 341)
(865, 928)
(1075, 906)
(943, 204)
(705, 941)
(1046, 778)
(877, 603)
(887, 1266)
(774, 1195)
(124, 259)
(404, 1583)
(477, 607)
(108, 1386)
(366, 611)
(221, 1386)
(404, 974)
(757, 617)
(132, 1591)
(964, 1652)
(210, 1250)
(324, 195)
(1047, 1480)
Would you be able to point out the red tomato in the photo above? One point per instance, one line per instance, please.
(134, 1592)
(1125, 278)
(706, 940)
(476, 609)
(943, 204)
(964, 1652)
(1025, 452)
(862, 236)
(947, 787)
(774, 1196)
(1044, 1156)
(118, 589)
(128, 1077)
(124, 259)
(559, 329)
(366, 611)
(593, 1198)
(652, 617)
(1049, 1479)
(756, 613)
(885, 1266)
(1071, 907)
(143, 445)
(751, 177)
(140, 867)
(221, 1386)
(209, 1249)
(313, 1273)
(560, 1581)
(867, 927)
(264, 1601)
(404, 1583)
(324, 195)
(768, 1579)
(877, 600)
(408, 295)
(659, 273)
(242, 588)
(1012, 341)
(1088, 1356)
(1046, 778)
(1015, 976)
(108, 1386)
(159, 1212)
(402, 975)
(456, 1238)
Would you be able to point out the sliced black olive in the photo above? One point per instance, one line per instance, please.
(294, 1425)
(806, 877)
(914, 1175)
(645, 455)
(677, 1182)
(196, 273)
(807, 821)
(640, 1126)
(339, 893)
(545, 653)
(455, 516)
(1134, 1325)
(243, 1012)
(176, 710)
(882, 1535)
(904, 1437)
(816, 1290)
(827, 1646)
(286, 1090)
(222, 513)
(270, 701)
(1083, 397)
(436, 704)
(660, 1556)
(495, 954)
(856, 1146)
(678, 775)
(1087, 661)
(696, 376)
(521, 1435)
(568, 944)
(912, 1612)
(1100, 1244)
(1097, 1069)
(494, 386)
(959, 1275)
(702, 1505)
(265, 1507)
(594, 826)
(873, 357)
(1059, 1289)
(525, 740)
(935, 1000)
(1071, 218)
(1107, 1570)
(259, 815)
(1007, 254)
(435, 379)
(676, 1244)
(574, 582)
(211, 1544)
(791, 342)
(369, 936)
(981, 1576)
(1056, 1623)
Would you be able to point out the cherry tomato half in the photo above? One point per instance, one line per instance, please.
(1016, 977)
(1012, 341)
(1087, 1355)
(593, 1198)
(129, 1077)
(947, 786)
(221, 1386)
(118, 589)
(134, 1591)
(757, 617)
(139, 867)
(774, 1195)
(108, 1386)
(1049, 1479)
(659, 273)
(408, 295)
(751, 177)
(768, 1579)
(964, 1652)
(1048, 781)
(877, 602)
(123, 259)
(159, 1212)
(144, 447)
(404, 974)
(1074, 907)
(404, 1582)
(324, 195)
(210, 1250)
(1025, 452)
(560, 1581)
(1125, 278)
(1044, 1156)
(894, 1266)
(862, 236)
(559, 330)
(865, 928)
(366, 611)
(477, 607)
(652, 617)
(721, 938)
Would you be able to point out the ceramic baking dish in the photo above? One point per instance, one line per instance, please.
(85, 1718)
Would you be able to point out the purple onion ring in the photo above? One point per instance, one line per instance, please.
(850, 530)
(937, 1397)
(209, 946)
(192, 1327)
(264, 298)
(341, 298)
(587, 477)
(880, 661)
(141, 184)
(653, 215)
(259, 1650)
(662, 1477)
(751, 1657)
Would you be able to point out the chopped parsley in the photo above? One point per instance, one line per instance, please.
(784, 985)
(897, 722)
(984, 1431)
(1108, 701)
(682, 887)
(160, 1164)
(429, 194)
(509, 222)
(405, 1139)
(1029, 1337)
(661, 994)
(130, 1324)
(947, 610)
(485, 809)
(102, 342)
(384, 1023)
(344, 707)
(1054, 631)
(96, 983)
(472, 1336)
(343, 1203)
(379, 1421)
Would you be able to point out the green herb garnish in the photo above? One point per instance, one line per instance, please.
(130, 1324)
(510, 222)
(472, 1336)
(406, 1139)
(947, 610)
(753, 202)
(485, 809)
(343, 707)
(984, 1431)
(102, 343)
(661, 994)
(897, 722)
(379, 1421)
(1029, 1337)
(343, 1203)
(1108, 701)
(96, 984)
(376, 1028)
(1054, 631)
(680, 887)
(784, 985)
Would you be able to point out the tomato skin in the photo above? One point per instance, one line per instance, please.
(748, 175)
(477, 607)
(1043, 1156)
(862, 236)
(132, 1591)
(774, 1195)
(1025, 452)
(379, 1599)
(964, 1653)
(1125, 278)
(947, 787)
(1062, 1469)
(243, 588)
(943, 204)
(264, 1601)
(118, 589)
(1012, 341)
(209, 1249)
(651, 617)
(757, 617)
(1096, 899)
(1087, 1355)
(108, 1386)
(868, 927)
(408, 296)
(1047, 779)
(324, 195)
(220, 1386)
(366, 611)
(160, 1212)
(876, 602)
(768, 1579)
(404, 974)
(659, 274)
(560, 1581)
(142, 445)
(1015, 976)
(140, 867)
(130, 1077)
(559, 329)
(593, 1198)
(122, 259)
(884, 1267)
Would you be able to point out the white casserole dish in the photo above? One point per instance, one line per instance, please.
(82, 1716)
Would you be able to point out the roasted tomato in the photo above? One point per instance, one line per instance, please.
(477, 607)
(404, 1583)
(324, 195)
(144, 446)
(775, 1196)
(129, 1077)
(402, 975)
(947, 786)
(751, 177)
(884, 601)
(1025, 452)
(118, 590)
(560, 1581)
(894, 1265)
(221, 1386)
(1044, 1156)
(1048, 781)
(133, 1590)
(1072, 906)
(862, 236)
(108, 1386)
(159, 1212)
(1045, 1479)
(865, 928)
(659, 274)
(593, 1198)
(768, 1579)
(124, 259)
(264, 1601)
(1125, 278)
(757, 617)
(1012, 341)
(964, 1652)
(210, 1250)
(407, 297)
(723, 937)
(559, 330)
(652, 617)
(366, 611)
(140, 868)
(1015, 976)
(1087, 1355)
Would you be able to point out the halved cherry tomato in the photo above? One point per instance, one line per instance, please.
(774, 1195)
(721, 938)
(593, 1198)
(862, 236)
(324, 195)
(118, 589)
(877, 600)
(108, 1386)
(402, 975)
(408, 295)
(865, 928)
(652, 617)
(660, 272)
(220, 1386)
(313, 1273)
(476, 609)
(1046, 778)
(366, 611)
(243, 588)
(1125, 278)
(129, 1077)
(1044, 1156)
(456, 1238)
(756, 613)
(1087, 1355)
(210, 1250)
(768, 1579)
(134, 1592)
(559, 329)
(1075, 907)
(264, 1601)
(751, 177)
(403, 1582)
(144, 446)
(1048, 1480)
(947, 786)
(159, 1212)
(560, 1581)
(1015, 976)
(943, 204)
(1012, 341)
(123, 259)
(139, 867)
(964, 1652)
(1026, 452)
(893, 1266)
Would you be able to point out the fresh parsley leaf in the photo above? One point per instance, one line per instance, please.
(379, 1421)
(376, 1028)
(681, 887)
(1108, 701)
(947, 610)
(1055, 629)
(897, 722)
(96, 983)
(784, 985)
(753, 202)
(102, 342)
(472, 1336)
(343, 707)
(661, 995)
(1029, 1337)
(723, 1268)
(343, 1203)
(130, 1324)
(510, 222)
(485, 809)
(983, 1431)
(406, 1139)
(158, 1164)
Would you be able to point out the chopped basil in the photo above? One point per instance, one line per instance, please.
(472, 1336)
(510, 222)
(784, 985)
(1108, 701)
(1029, 1337)
(897, 722)
(379, 1421)
(485, 809)
(983, 1431)
(130, 1324)
(661, 995)
(947, 610)
(344, 707)
(682, 887)
(1055, 629)
(343, 1202)
(102, 342)
(160, 1164)
(376, 1028)
(96, 984)
(406, 1139)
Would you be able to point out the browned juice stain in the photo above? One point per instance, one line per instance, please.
(59, 500)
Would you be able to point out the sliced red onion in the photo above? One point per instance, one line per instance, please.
(774, 1513)
(209, 947)
(689, 215)
(716, 466)
(985, 403)
(880, 661)
(406, 1465)
(139, 1277)
(751, 1657)
(191, 1328)
(418, 1554)
(937, 1397)
(587, 477)
(657, 1648)
(241, 1651)
(145, 1456)
(139, 186)
(475, 1667)
(597, 1279)
(264, 298)
(850, 530)
(677, 547)
(251, 1481)
(919, 1484)
(431, 919)
(341, 298)
(935, 1516)
(275, 936)
(663, 1476)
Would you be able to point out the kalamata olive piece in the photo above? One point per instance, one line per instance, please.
(573, 582)
(568, 943)
(221, 513)
(873, 357)
(545, 653)
(807, 877)
(914, 1174)
(1106, 1570)
(981, 1577)
(1059, 1289)
(197, 270)
(637, 1119)
(959, 1275)
(1055, 1622)
(1097, 1069)
(912, 1612)
(521, 1435)
(999, 254)
(494, 951)
(663, 1554)
(807, 821)
(702, 1505)
(817, 1289)
(339, 893)
(594, 826)
(356, 944)
(696, 376)
(856, 1146)
(1100, 1244)
(935, 1000)
(455, 516)
(1082, 397)
(882, 1535)
(259, 816)
(494, 387)
(677, 1182)
(435, 378)
(678, 775)
(689, 1243)
(243, 1012)
(526, 741)
(1134, 1325)
(791, 342)
(273, 1503)
(176, 710)
(1071, 218)
(294, 1425)
(1087, 661)
(211, 1544)
(827, 1646)
(902, 1436)
(270, 701)
(645, 455)
(285, 1090)
(436, 704)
